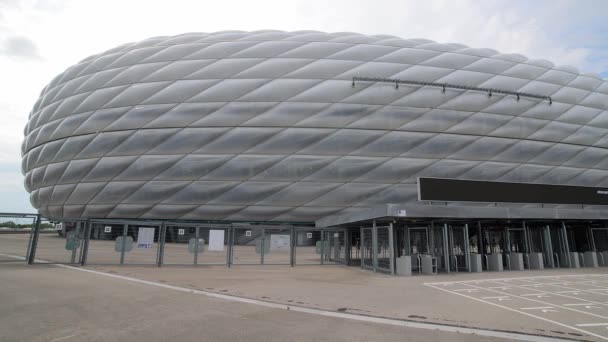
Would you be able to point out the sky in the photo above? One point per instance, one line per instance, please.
(41, 38)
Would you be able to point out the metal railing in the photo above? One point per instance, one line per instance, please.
(178, 243)
(445, 86)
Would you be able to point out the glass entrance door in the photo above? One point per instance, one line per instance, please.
(493, 241)
(417, 242)
(439, 245)
(559, 248)
(458, 248)
(517, 240)
(494, 248)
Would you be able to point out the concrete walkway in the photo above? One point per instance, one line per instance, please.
(52, 303)
(348, 289)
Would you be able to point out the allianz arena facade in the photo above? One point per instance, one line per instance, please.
(271, 126)
(407, 148)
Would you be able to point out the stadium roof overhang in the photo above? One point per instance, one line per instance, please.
(442, 212)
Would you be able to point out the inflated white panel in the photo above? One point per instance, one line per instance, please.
(269, 126)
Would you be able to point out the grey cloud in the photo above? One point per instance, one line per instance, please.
(20, 47)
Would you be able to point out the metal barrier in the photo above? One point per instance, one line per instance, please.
(196, 245)
(131, 242)
(20, 233)
(308, 246)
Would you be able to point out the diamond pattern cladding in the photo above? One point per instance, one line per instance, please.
(222, 125)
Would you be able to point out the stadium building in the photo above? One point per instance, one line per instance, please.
(395, 154)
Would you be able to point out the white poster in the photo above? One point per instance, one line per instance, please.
(279, 241)
(180, 231)
(107, 229)
(145, 237)
(216, 240)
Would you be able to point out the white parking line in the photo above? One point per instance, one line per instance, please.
(537, 295)
(521, 312)
(561, 294)
(586, 305)
(500, 298)
(545, 303)
(592, 325)
(563, 285)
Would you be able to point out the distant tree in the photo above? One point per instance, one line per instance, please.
(13, 225)
(8, 224)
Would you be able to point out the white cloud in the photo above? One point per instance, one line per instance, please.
(20, 48)
(61, 33)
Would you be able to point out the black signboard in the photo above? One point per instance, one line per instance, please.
(440, 189)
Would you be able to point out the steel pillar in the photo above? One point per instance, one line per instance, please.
(32, 255)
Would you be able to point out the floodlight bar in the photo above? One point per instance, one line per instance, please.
(489, 91)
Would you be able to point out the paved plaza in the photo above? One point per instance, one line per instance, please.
(554, 303)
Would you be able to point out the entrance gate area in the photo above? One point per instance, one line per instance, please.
(434, 246)
(110, 242)
(392, 247)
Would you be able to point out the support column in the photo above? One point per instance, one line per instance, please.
(482, 251)
(262, 247)
(391, 247)
(323, 247)
(292, 246)
(228, 234)
(162, 232)
(32, 255)
(347, 246)
(374, 246)
(507, 247)
(125, 230)
(361, 246)
(84, 251)
(79, 230)
(527, 238)
(196, 237)
(446, 254)
(565, 246)
(548, 245)
(430, 239)
(591, 239)
(407, 247)
(467, 251)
